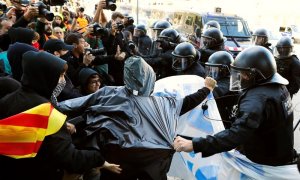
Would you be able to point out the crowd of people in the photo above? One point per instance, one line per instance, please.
(101, 72)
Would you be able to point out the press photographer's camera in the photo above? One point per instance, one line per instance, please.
(43, 10)
(3, 7)
(111, 4)
(130, 20)
(95, 52)
(131, 45)
(55, 2)
(120, 26)
(98, 30)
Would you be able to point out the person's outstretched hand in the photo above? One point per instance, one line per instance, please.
(210, 83)
(181, 144)
(112, 167)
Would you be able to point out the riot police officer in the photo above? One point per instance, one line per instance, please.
(260, 37)
(288, 64)
(264, 121)
(165, 44)
(218, 67)
(142, 40)
(212, 41)
(186, 60)
(159, 26)
(157, 29)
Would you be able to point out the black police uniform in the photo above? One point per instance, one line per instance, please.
(144, 44)
(258, 123)
(289, 69)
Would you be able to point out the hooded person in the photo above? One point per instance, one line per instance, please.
(22, 35)
(14, 56)
(137, 129)
(8, 85)
(33, 119)
(90, 81)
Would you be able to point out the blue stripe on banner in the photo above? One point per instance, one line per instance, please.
(257, 168)
(244, 177)
(192, 154)
(207, 173)
(196, 120)
(190, 165)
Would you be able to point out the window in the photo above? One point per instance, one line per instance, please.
(189, 21)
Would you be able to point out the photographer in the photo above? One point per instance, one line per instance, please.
(24, 15)
(116, 48)
(128, 23)
(93, 35)
(78, 57)
(80, 22)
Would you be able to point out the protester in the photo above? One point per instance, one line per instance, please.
(128, 122)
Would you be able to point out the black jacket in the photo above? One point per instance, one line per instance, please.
(115, 67)
(289, 69)
(57, 153)
(264, 128)
(144, 44)
(139, 129)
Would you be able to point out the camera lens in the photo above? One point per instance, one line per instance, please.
(110, 4)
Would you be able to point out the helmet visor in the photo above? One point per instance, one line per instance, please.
(259, 40)
(283, 52)
(181, 63)
(156, 33)
(208, 42)
(212, 71)
(240, 79)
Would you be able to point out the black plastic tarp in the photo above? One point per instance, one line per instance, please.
(141, 127)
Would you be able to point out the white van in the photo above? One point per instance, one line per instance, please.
(233, 27)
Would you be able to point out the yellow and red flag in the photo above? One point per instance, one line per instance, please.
(21, 135)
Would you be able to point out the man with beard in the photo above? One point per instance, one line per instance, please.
(44, 28)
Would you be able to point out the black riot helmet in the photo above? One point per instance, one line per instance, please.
(284, 48)
(218, 65)
(184, 55)
(212, 24)
(170, 35)
(140, 30)
(260, 37)
(253, 66)
(212, 38)
(159, 26)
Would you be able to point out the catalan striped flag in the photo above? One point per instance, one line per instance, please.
(21, 135)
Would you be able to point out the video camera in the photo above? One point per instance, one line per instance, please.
(111, 4)
(43, 10)
(95, 52)
(98, 30)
